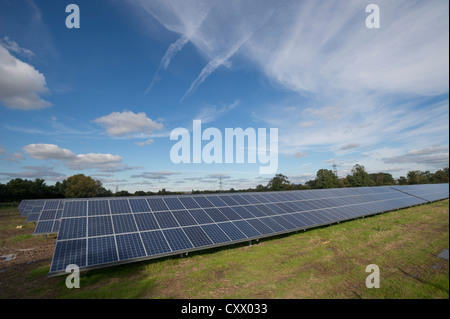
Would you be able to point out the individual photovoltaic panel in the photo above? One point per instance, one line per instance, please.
(44, 227)
(200, 216)
(100, 226)
(124, 223)
(232, 231)
(98, 207)
(242, 212)
(184, 218)
(119, 206)
(36, 209)
(51, 204)
(177, 239)
(246, 228)
(216, 215)
(48, 215)
(72, 228)
(139, 205)
(189, 202)
(240, 200)
(101, 250)
(222, 221)
(230, 201)
(197, 236)
(33, 217)
(75, 209)
(215, 233)
(166, 220)
(130, 246)
(216, 201)
(155, 243)
(229, 213)
(157, 204)
(173, 203)
(203, 202)
(69, 252)
(272, 224)
(146, 221)
(259, 226)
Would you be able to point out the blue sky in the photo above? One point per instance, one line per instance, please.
(102, 99)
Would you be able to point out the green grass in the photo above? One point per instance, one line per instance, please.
(326, 262)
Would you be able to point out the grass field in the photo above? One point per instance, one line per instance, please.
(327, 262)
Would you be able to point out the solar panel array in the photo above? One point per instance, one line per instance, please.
(100, 232)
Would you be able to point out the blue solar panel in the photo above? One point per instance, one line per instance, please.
(146, 221)
(130, 246)
(69, 252)
(99, 226)
(119, 206)
(215, 233)
(155, 242)
(177, 239)
(125, 229)
(72, 228)
(216, 215)
(157, 204)
(188, 202)
(101, 250)
(184, 218)
(98, 207)
(75, 209)
(173, 203)
(197, 236)
(232, 231)
(124, 223)
(139, 205)
(166, 220)
(44, 227)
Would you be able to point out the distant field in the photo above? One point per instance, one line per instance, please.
(327, 262)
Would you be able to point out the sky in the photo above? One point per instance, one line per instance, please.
(103, 99)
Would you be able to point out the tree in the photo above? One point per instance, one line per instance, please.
(441, 176)
(325, 178)
(418, 177)
(83, 186)
(402, 180)
(360, 177)
(382, 179)
(278, 183)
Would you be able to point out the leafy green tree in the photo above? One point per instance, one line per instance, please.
(79, 186)
(382, 179)
(441, 176)
(278, 183)
(418, 177)
(325, 178)
(360, 177)
(402, 180)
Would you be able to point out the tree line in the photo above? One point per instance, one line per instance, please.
(81, 186)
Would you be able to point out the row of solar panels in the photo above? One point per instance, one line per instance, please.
(99, 232)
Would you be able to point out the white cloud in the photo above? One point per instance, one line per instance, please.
(20, 83)
(122, 123)
(147, 142)
(12, 46)
(160, 175)
(307, 124)
(103, 162)
(300, 154)
(349, 146)
(48, 151)
(213, 112)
